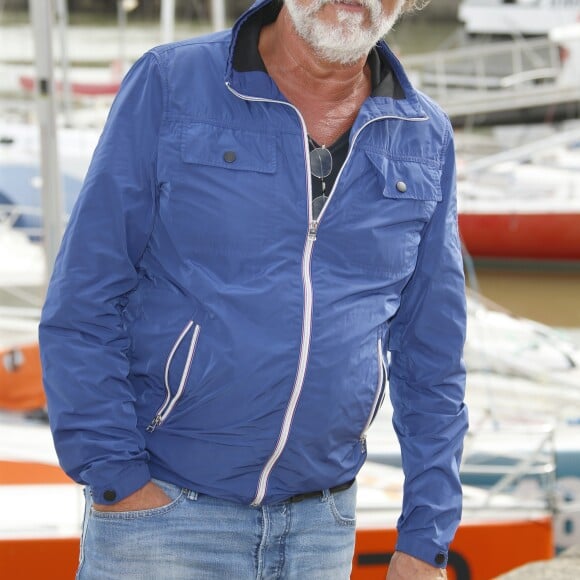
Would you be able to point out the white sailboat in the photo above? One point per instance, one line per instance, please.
(502, 81)
(524, 202)
(503, 344)
(22, 262)
(517, 17)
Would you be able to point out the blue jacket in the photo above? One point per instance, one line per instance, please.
(201, 328)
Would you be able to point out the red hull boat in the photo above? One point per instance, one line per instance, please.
(539, 236)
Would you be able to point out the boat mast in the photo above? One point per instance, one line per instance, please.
(167, 20)
(62, 20)
(41, 16)
(218, 14)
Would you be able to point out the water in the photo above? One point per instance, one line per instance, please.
(549, 297)
(416, 36)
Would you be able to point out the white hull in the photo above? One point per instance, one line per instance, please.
(22, 261)
(519, 18)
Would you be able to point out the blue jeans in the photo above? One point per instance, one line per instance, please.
(197, 537)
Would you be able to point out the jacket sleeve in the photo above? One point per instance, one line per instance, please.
(427, 382)
(83, 340)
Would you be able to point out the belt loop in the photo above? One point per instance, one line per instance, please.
(325, 495)
(192, 495)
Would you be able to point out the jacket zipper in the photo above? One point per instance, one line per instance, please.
(306, 316)
(308, 292)
(379, 396)
(170, 402)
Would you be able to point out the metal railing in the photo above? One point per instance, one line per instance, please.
(498, 76)
(533, 459)
(486, 66)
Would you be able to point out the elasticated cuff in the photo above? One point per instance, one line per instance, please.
(121, 483)
(424, 549)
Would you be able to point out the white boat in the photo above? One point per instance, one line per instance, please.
(490, 82)
(509, 454)
(517, 17)
(520, 371)
(523, 203)
(22, 261)
(523, 395)
(501, 343)
(20, 172)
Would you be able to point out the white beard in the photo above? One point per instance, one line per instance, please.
(350, 40)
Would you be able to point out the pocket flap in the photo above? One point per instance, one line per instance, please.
(406, 179)
(234, 149)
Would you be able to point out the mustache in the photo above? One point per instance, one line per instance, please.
(375, 7)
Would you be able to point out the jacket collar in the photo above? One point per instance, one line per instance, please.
(253, 82)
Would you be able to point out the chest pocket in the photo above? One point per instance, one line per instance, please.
(409, 181)
(219, 199)
(232, 149)
(399, 199)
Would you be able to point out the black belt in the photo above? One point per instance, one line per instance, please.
(315, 494)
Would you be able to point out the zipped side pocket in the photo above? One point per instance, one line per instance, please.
(170, 401)
(379, 395)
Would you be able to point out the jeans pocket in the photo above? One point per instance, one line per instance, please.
(343, 506)
(175, 493)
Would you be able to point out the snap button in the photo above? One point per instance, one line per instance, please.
(440, 558)
(230, 156)
(401, 186)
(110, 495)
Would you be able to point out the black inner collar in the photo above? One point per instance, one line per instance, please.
(246, 55)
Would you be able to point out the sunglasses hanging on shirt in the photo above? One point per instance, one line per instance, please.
(321, 168)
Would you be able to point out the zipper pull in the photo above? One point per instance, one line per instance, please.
(154, 424)
(312, 229)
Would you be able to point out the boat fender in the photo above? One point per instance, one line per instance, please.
(13, 360)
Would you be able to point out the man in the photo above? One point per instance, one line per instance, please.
(269, 210)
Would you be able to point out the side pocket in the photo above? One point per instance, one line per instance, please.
(176, 495)
(192, 330)
(87, 512)
(343, 506)
(379, 393)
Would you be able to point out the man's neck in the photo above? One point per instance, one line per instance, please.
(328, 94)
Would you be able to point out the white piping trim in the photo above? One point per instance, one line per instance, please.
(378, 390)
(170, 402)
